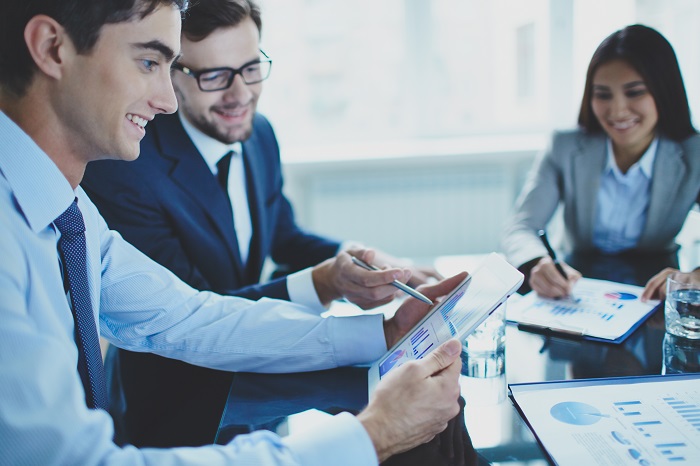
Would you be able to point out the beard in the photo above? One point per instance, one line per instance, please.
(238, 133)
(219, 132)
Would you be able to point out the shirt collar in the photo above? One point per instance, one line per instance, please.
(41, 190)
(210, 149)
(645, 163)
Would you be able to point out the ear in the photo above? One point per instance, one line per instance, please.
(48, 44)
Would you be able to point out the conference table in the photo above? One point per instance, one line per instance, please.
(495, 432)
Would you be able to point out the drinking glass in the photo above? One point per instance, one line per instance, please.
(484, 351)
(681, 355)
(682, 311)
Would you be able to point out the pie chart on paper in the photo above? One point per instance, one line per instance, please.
(573, 412)
(622, 296)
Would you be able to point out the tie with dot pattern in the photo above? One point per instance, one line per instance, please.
(71, 247)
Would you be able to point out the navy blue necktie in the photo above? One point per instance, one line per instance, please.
(224, 166)
(71, 247)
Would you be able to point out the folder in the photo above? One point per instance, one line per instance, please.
(624, 420)
(597, 310)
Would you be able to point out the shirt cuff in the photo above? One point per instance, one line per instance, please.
(342, 438)
(357, 339)
(301, 290)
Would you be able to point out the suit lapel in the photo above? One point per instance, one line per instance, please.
(192, 175)
(669, 169)
(589, 163)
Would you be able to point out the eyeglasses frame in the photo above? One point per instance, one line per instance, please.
(234, 71)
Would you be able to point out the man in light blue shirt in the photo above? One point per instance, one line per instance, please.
(206, 200)
(79, 80)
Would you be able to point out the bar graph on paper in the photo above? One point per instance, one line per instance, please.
(670, 426)
(653, 422)
(596, 308)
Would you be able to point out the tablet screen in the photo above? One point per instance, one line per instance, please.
(457, 316)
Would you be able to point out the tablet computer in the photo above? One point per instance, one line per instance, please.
(456, 316)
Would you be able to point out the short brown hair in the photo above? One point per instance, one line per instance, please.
(205, 16)
(82, 19)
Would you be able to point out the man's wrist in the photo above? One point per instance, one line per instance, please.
(321, 276)
(374, 429)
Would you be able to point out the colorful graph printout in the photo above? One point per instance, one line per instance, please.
(596, 308)
(624, 421)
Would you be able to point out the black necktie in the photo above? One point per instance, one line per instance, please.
(223, 165)
(71, 247)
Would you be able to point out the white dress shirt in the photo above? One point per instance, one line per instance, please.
(623, 202)
(300, 286)
(140, 306)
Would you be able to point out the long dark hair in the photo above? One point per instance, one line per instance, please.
(652, 56)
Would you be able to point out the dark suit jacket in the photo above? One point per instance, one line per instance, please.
(168, 204)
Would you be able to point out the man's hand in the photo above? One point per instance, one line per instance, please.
(338, 277)
(546, 280)
(419, 274)
(414, 402)
(412, 310)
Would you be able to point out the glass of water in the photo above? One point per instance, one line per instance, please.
(484, 350)
(682, 310)
(681, 355)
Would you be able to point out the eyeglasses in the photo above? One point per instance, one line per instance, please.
(218, 79)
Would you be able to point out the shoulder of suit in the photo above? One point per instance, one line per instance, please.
(564, 141)
(691, 145)
(261, 123)
(577, 136)
(690, 152)
(263, 135)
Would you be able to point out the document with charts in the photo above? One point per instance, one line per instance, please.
(653, 420)
(596, 310)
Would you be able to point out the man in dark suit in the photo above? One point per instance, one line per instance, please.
(205, 200)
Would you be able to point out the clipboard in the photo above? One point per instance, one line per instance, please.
(636, 420)
(599, 310)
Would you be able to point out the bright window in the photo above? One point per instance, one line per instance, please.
(371, 71)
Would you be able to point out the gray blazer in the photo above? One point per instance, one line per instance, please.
(569, 171)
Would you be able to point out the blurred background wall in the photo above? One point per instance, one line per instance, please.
(411, 124)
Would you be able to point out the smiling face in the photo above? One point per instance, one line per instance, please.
(108, 95)
(624, 107)
(225, 115)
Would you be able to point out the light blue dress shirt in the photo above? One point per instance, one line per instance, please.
(623, 202)
(140, 306)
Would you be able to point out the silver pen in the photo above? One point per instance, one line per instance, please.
(401, 286)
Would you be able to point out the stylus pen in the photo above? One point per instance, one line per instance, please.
(543, 237)
(401, 286)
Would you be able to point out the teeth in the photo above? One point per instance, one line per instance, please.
(623, 124)
(232, 113)
(136, 119)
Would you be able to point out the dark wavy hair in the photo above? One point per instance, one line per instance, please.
(205, 16)
(652, 56)
(82, 19)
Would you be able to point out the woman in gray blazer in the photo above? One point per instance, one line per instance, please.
(627, 177)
